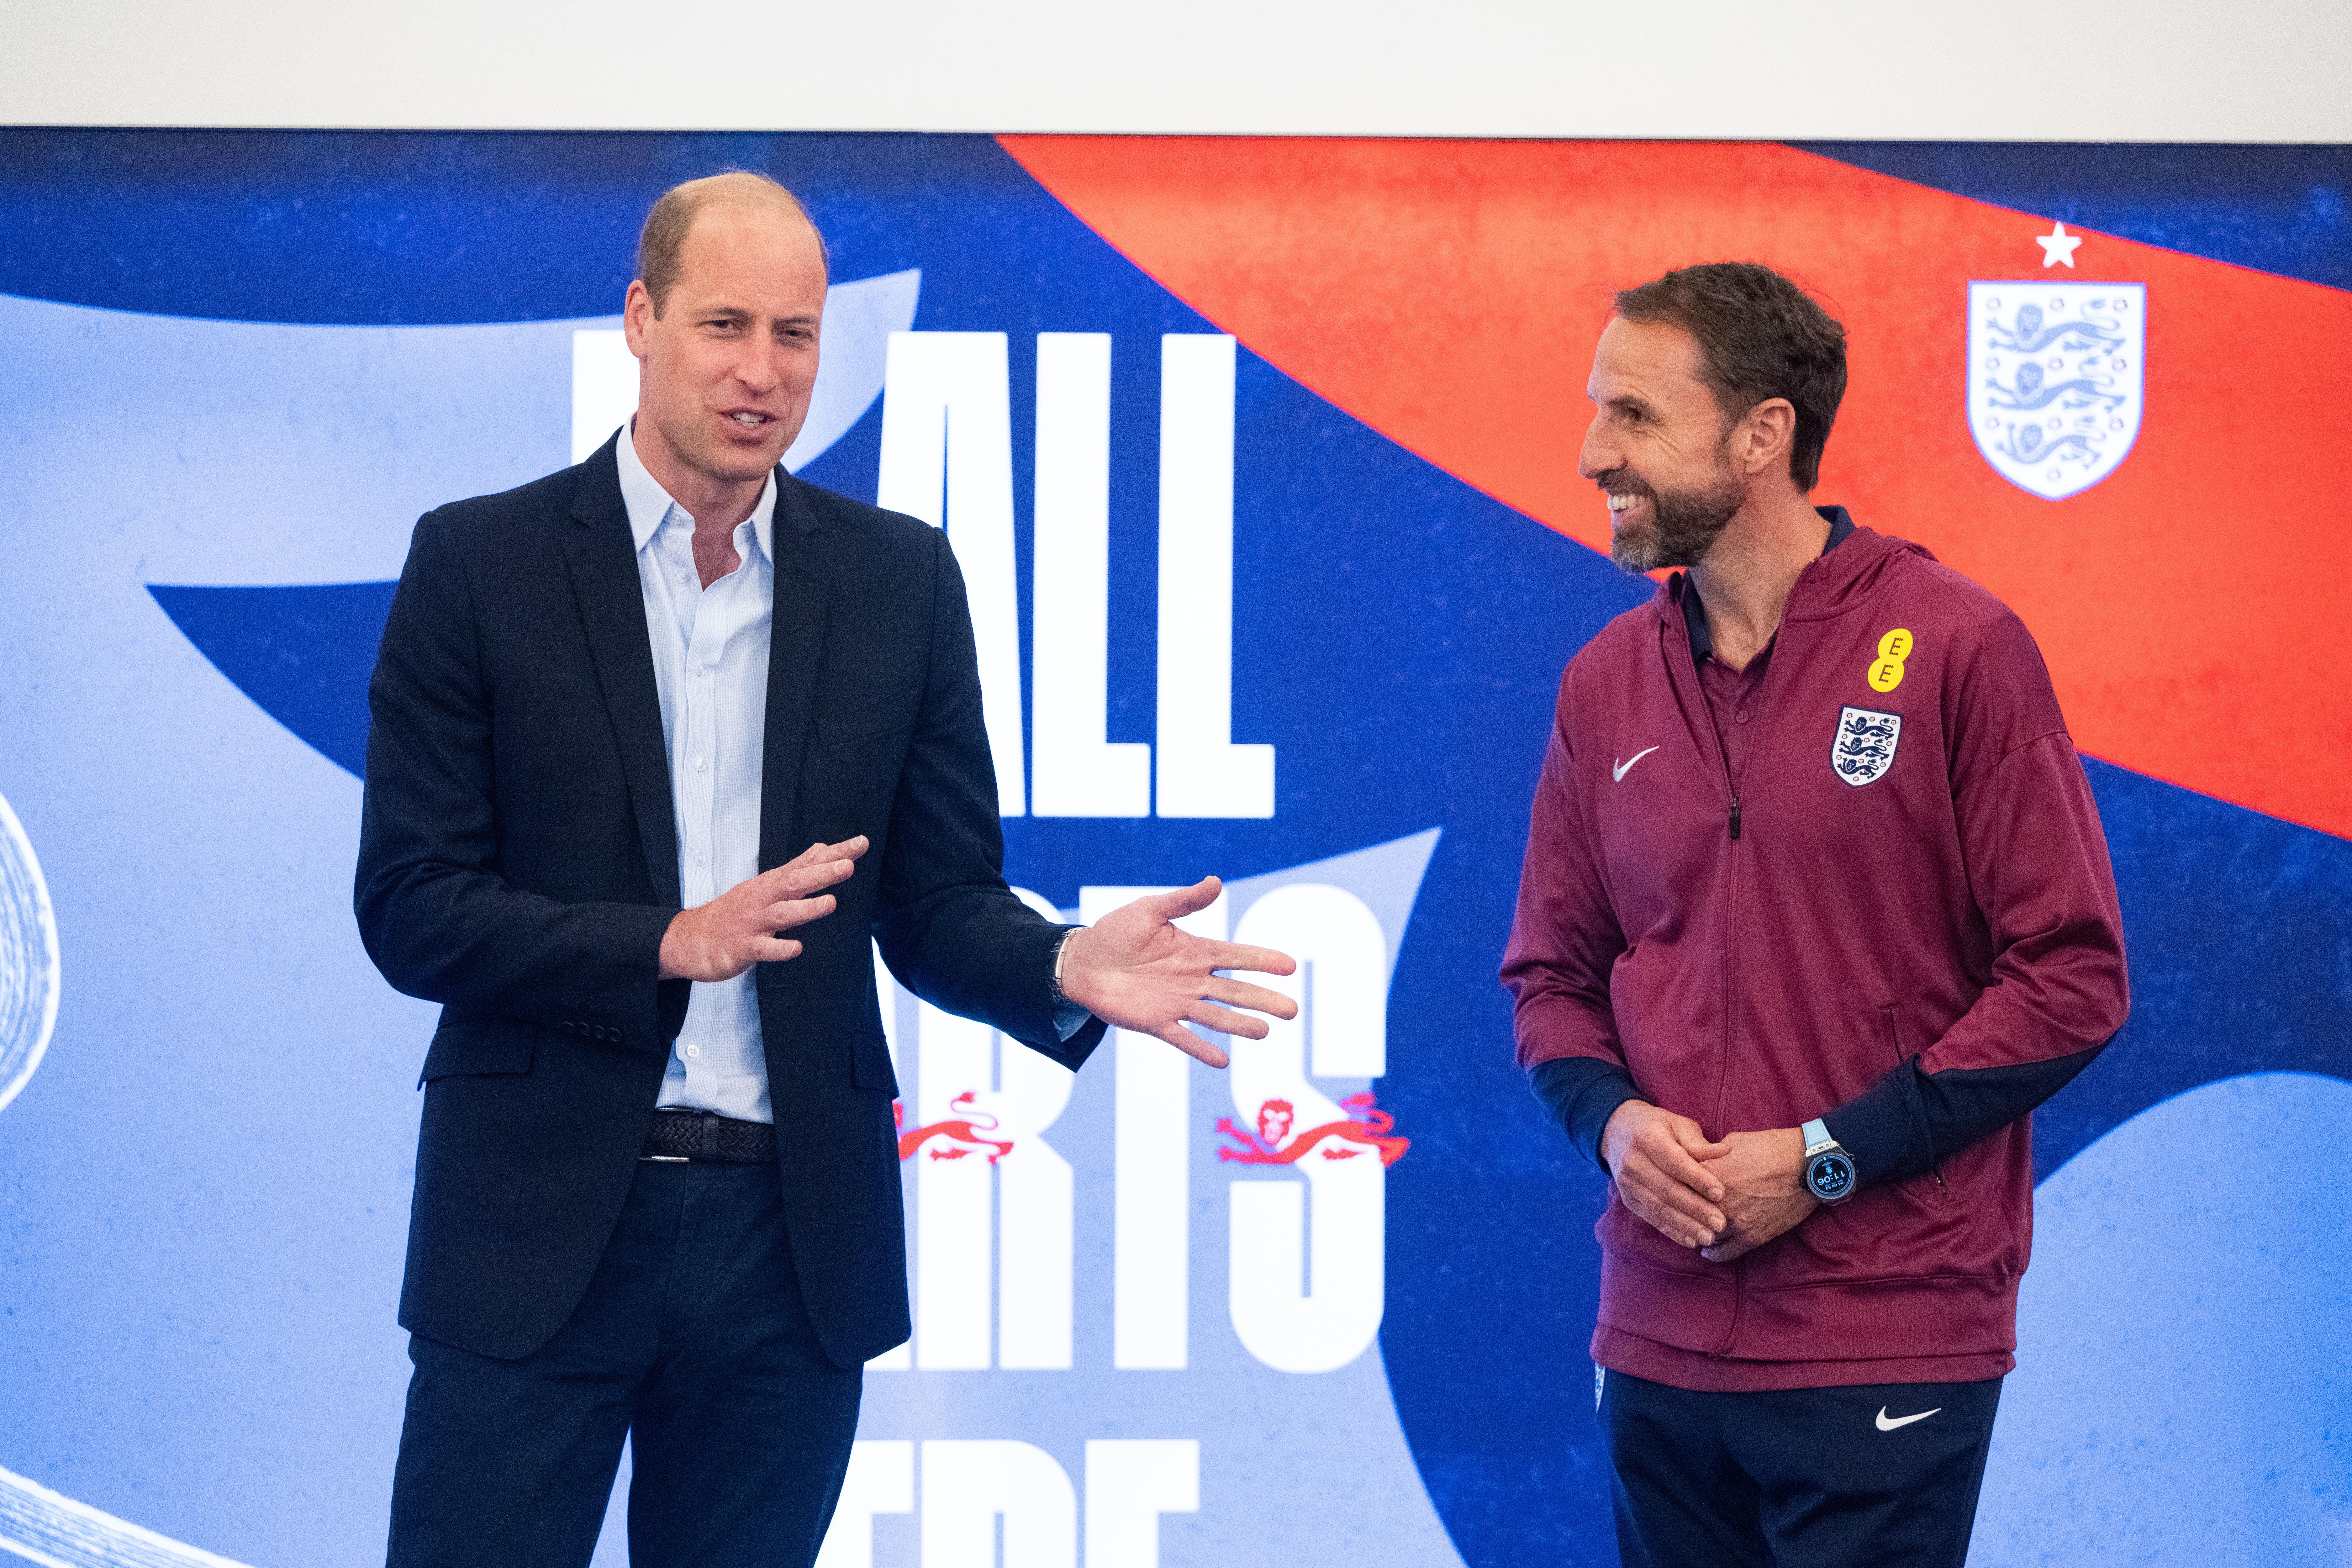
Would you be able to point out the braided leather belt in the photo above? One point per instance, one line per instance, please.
(707, 1135)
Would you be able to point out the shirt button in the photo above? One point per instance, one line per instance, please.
(694, 1050)
(1740, 717)
(683, 577)
(697, 764)
(697, 860)
(702, 670)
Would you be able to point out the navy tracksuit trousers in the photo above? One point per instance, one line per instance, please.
(1875, 1476)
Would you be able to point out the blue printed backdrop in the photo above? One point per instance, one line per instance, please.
(243, 363)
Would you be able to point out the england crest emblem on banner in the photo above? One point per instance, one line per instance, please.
(1864, 746)
(2054, 380)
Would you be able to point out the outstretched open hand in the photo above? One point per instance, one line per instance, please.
(1135, 970)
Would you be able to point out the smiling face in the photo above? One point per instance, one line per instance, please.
(1658, 447)
(730, 359)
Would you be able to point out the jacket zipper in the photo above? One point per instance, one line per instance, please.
(1698, 691)
(1730, 1011)
(1730, 954)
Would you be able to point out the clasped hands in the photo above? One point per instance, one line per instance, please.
(1725, 1197)
(1134, 969)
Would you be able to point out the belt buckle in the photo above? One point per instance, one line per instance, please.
(670, 1158)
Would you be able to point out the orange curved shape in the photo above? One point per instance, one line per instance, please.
(1448, 294)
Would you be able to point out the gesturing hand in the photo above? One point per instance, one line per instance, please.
(1762, 1195)
(1134, 969)
(1655, 1156)
(722, 939)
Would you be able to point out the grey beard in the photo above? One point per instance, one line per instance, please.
(1684, 525)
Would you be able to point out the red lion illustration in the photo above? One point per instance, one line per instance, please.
(964, 1136)
(1266, 1145)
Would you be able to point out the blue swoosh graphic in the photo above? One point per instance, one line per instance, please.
(303, 654)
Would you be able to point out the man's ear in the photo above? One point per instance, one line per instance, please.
(1766, 435)
(636, 317)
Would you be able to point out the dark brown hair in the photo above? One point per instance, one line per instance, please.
(1760, 337)
(664, 237)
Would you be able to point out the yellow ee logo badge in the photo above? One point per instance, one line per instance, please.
(1886, 669)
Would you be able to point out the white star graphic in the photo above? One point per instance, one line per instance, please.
(2058, 246)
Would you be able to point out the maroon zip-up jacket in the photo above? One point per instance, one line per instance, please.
(1910, 879)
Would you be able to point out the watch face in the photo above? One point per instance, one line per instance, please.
(1830, 1177)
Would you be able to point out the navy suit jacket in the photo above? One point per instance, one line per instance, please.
(519, 864)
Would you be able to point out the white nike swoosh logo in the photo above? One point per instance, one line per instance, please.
(1887, 1425)
(1622, 768)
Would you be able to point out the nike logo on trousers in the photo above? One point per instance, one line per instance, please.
(1621, 769)
(1887, 1425)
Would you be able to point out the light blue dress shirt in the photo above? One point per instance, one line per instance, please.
(710, 667)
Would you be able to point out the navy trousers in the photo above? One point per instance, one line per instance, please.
(1879, 1476)
(692, 1342)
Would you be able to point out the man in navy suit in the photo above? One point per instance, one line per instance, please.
(658, 1179)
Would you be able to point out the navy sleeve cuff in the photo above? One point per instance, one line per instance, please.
(1907, 1121)
(1884, 1128)
(1580, 1094)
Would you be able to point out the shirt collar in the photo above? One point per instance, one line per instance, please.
(1702, 642)
(649, 504)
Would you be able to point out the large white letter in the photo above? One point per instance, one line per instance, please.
(1329, 1318)
(1201, 772)
(998, 1092)
(881, 1480)
(953, 1195)
(603, 387)
(1130, 1483)
(947, 457)
(966, 1484)
(1078, 773)
(1150, 1173)
(1033, 1195)
(886, 989)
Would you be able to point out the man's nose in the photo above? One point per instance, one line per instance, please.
(759, 367)
(1599, 454)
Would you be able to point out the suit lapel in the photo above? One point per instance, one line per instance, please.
(795, 646)
(603, 557)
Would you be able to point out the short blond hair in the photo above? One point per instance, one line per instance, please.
(663, 238)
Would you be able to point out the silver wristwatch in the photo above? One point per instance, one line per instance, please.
(1829, 1169)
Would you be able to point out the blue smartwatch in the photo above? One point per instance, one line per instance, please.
(1829, 1169)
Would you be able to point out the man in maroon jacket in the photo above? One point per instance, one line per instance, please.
(1816, 909)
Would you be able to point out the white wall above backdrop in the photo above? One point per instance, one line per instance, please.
(2168, 70)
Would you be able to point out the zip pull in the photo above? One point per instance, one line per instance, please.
(1734, 816)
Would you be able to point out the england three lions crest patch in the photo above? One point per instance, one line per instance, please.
(1864, 746)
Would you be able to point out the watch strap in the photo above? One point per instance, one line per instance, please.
(1826, 1160)
(1054, 986)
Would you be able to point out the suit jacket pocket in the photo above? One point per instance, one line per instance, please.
(479, 1046)
(869, 1062)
